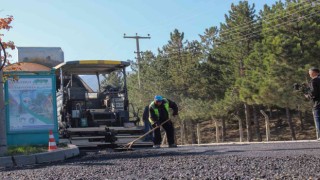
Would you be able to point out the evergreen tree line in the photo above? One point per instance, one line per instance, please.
(247, 65)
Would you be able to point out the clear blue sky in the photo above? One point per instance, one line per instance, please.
(93, 29)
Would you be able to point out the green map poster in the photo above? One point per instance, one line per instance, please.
(30, 104)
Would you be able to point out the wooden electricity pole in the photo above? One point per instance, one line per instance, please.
(138, 51)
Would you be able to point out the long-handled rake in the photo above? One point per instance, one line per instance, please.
(127, 147)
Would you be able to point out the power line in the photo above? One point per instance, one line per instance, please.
(252, 34)
(247, 24)
(183, 17)
(268, 29)
(231, 34)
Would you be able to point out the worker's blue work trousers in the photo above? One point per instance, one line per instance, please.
(316, 116)
(147, 127)
(168, 127)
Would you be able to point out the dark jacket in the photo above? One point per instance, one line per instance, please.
(163, 114)
(315, 92)
(145, 116)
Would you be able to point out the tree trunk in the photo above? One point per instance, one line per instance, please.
(256, 123)
(223, 127)
(301, 119)
(3, 132)
(240, 127)
(186, 138)
(267, 122)
(270, 111)
(277, 114)
(248, 122)
(182, 138)
(307, 117)
(217, 131)
(198, 133)
(193, 134)
(174, 133)
(213, 125)
(293, 134)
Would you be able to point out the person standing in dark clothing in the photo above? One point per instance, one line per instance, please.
(314, 95)
(90, 120)
(146, 122)
(158, 113)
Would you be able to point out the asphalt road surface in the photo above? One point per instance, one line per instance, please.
(280, 160)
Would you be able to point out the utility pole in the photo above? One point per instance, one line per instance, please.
(138, 51)
(3, 132)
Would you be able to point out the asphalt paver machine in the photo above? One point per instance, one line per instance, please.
(88, 116)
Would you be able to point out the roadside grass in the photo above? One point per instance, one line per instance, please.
(25, 150)
(30, 149)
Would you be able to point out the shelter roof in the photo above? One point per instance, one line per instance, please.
(26, 67)
(87, 67)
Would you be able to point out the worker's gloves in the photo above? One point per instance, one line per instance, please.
(157, 123)
(308, 96)
(175, 116)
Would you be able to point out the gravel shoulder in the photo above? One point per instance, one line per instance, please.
(285, 160)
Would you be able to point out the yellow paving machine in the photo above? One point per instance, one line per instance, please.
(89, 116)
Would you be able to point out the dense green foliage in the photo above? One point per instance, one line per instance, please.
(252, 59)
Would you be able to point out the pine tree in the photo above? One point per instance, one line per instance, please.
(237, 39)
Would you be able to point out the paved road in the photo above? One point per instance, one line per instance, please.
(284, 160)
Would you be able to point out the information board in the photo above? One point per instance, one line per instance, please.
(30, 104)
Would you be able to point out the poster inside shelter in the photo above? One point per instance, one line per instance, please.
(30, 104)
